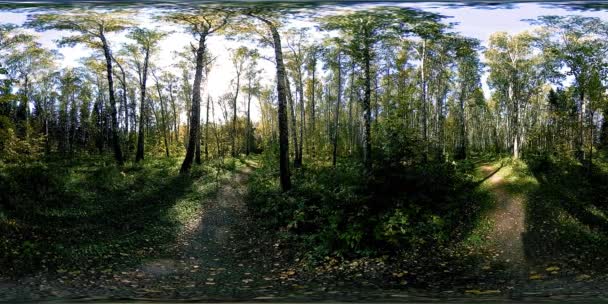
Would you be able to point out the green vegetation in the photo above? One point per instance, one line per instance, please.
(88, 213)
(372, 153)
(567, 212)
(394, 208)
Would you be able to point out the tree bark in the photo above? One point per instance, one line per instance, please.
(302, 115)
(367, 143)
(282, 111)
(297, 161)
(248, 135)
(196, 100)
(337, 112)
(207, 129)
(425, 133)
(163, 114)
(115, 136)
(139, 154)
(312, 105)
(234, 104)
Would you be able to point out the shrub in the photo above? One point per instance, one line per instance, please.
(344, 211)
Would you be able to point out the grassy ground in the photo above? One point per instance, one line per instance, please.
(565, 210)
(567, 215)
(68, 219)
(87, 213)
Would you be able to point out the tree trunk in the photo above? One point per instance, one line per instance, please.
(196, 100)
(312, 106)
(207, 129)
(162, 114)
(282, 111)
(425, 133)
(234, 104)
(302, 115)
(139, 154)
(367, 143)
(115, 136)
(197, 152)
(248, 135)
(337, 112)
(297, 161)
(126, 106)
(580, 154)
(461, 150)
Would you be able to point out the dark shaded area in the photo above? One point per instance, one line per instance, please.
(566, 214)
(85, 213)
(344, 211)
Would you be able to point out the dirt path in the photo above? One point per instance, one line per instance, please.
(507, 220)
(220, 254)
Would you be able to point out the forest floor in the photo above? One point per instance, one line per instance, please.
(507, 219)
(221, 254)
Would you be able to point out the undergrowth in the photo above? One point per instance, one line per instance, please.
(347, 212)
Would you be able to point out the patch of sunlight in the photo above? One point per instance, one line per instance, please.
(518, 177)
(205, 189)
(251, 162)
(603, 167)
(597, 212)
(478, 237)
(69, 212)
(183, 210)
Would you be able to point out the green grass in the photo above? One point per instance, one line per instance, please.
(89, 213)
(567, 212)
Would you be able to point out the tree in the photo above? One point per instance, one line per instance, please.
(270, 20)
(200, 24)
(296, 41)
(573, 41)
(25, 65)
(238, 58)
(468, 75)
(161, 101)
(312, 59)
(252, 75)
(362, 30)
(146, 44)
(89, 28)
(516, 74)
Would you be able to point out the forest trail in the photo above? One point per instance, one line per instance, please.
(205, 243)
(507, 219)
(219, 254)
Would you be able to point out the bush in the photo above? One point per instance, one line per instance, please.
(343, 211)
(23, 187)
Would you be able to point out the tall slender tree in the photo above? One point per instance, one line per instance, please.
(90, 28)
(201, 24)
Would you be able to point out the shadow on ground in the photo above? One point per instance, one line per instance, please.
(567, 214)
(78, 217)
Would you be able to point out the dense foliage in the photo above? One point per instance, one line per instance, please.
(393, 208)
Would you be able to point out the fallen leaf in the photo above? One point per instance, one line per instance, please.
(583, 277)
(482, 292)
(552, 269)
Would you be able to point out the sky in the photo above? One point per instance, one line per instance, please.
(471, 21)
